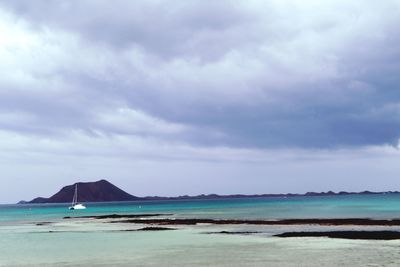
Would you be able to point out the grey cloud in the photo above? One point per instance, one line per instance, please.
(235, 74)
(166, 29)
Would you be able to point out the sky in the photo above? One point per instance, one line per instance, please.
(189, 97)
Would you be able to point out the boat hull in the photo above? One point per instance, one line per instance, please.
(77, 207)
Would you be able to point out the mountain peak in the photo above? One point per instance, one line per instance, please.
(99, 191)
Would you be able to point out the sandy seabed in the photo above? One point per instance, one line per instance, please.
(96, 242)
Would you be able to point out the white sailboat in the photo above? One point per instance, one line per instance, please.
(75, 205)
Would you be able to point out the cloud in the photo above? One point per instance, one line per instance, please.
(225, 96)
(261, 74)
(145, 166)
(234, 81)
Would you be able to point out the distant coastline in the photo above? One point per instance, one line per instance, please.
(216, 196)
(104, 191)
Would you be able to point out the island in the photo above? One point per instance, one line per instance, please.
(104, 191)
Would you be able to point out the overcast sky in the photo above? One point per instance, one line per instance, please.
(191, 97)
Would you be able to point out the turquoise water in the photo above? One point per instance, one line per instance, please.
(88, 242)
(361, 206)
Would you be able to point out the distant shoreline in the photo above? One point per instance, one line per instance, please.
(233, 196)
(216, 196)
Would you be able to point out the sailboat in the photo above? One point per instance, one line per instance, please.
(75, 205)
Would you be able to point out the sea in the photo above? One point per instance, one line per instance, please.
(40, 235)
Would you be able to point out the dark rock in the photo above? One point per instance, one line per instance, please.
(330, 222)
(155, 228)
(373, 235)
(43, 223)
(234, 232)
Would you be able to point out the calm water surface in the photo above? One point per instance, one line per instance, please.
(82, 242)
(365, 206)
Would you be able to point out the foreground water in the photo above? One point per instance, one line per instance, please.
(82, 242)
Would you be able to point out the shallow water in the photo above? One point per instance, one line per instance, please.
(361, 206)
(88, 242)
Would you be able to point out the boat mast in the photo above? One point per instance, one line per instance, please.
(75, 198)
(76, 193)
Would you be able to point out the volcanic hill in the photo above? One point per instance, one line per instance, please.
(100, 191)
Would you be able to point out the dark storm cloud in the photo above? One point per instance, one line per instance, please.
(240, 74)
